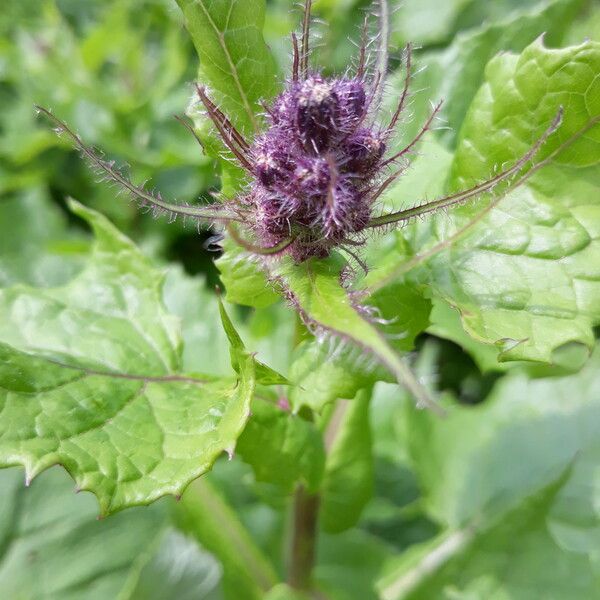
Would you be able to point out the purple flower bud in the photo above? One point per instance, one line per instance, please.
(317, 114)
(352, 101)
(314, 166)
(363, 150)
(273, 162)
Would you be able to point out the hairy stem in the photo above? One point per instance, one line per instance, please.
(303, 541)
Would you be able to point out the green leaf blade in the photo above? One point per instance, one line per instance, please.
(237, 66)
(282, 448)
(315, 289)
(349, 477)
(91, 380)
(235, 61)
(523, 274)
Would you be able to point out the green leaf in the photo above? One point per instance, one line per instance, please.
(430, 23)
(348, 481)
(480, 461)
(180, 569)
(315, 289)
(282, 448)
(234, 59)
(46, 527)
(51, 255)
(204, 513)
(90, 379)
(244, 279)
(205, 345)
(574, 520)
(322, 375)
(133, 555)
(515, 558)
(237, 65)
(446, 323)
(264, 374)
(524, 275)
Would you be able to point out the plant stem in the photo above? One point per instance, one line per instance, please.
(303, 541)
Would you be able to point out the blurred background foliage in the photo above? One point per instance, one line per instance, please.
(117, 71)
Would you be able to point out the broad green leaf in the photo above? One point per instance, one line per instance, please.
(234, 59)
(135, 555)
(482, 460)
(271, 333)
(282, 448)
(426, 22)
(54, 547)
(574, 520)
(524, 276)
(322, 375)
(446, 323)
(348, 481)
(431, 23)
(204, 514)
(205, 346)
(180, 569)
(323, 372)
(90, 378)
(235, 63)
(314, 287)
(516, 558)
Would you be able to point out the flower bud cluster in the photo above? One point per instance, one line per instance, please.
(315, 165)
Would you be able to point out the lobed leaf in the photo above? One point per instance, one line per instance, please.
(513, 481)
(46, 526)
(516, 558)
(549, 421)
(523, 274)
(90, 379)
(244, 278)
(456, 72)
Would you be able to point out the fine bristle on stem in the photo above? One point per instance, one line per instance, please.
(218, 213)
(462, 196)
(424, 129)
(404, 95)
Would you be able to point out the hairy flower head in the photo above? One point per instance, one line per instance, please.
(314, 166)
